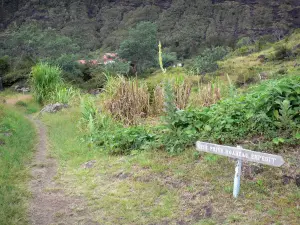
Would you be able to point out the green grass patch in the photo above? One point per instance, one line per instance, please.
(156, 187)
(28, 107)
(17, 137)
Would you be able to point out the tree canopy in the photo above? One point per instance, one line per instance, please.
(141, 46)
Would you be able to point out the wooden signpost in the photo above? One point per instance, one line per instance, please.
(240, 154)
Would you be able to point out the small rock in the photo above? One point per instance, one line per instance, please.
(95, 92)
(123, 175)
(286, 179)
(208, 211)
(89, 164)
(6, 134)
(297, 179)
(53, 108)
(263, 75)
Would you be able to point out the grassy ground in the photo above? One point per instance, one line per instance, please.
(17, 137)
(156, 188)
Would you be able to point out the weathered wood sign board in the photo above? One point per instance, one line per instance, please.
(241, 155)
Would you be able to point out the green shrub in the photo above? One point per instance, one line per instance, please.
(141, 46)
(4, 65)
(45, 80)
(247, 78)
(282, 52)
(68, 63)
(118, 68)
(207, 61)
(244, 50)
(21, 104)
(169, 59)
(244, 41)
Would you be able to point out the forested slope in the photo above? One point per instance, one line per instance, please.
(184, 26)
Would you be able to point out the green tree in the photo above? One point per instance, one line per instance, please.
(141, 46)
(207, 61)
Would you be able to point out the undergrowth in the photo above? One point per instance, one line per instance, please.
(269, 110)
(16, 145)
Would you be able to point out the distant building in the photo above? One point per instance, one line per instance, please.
(109, 58)
(89, 62)
(106, 59)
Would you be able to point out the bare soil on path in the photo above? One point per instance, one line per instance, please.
(13, 101)
(49, 204)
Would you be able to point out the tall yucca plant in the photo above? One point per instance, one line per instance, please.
(45, 80)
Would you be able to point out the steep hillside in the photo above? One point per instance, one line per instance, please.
(184, 26)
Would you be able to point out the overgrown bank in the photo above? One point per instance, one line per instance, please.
(17, 138)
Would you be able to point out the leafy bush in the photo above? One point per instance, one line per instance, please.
(245, 41)
(247, 78)
(45, 81)
(244, 50)
(207, 61)
(19, 70)
(118, 68)
(68, 63)
(140, 47)
(123, 140)
(169, 59)
(282, 52)
(4, 65)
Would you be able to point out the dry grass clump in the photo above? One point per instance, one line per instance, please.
(182, 92)
(158, 100)
(207, 94)
(130, 102)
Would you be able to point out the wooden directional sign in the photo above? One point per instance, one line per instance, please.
(240, 153)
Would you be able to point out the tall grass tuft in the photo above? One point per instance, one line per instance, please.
(129, 100)
(63, 94)
(158, 100)
(45, 80)
(182, 91)
(211, 93)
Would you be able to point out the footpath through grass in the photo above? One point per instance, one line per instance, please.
(17, 138)
(153, 187)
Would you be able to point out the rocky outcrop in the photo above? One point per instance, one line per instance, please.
(53, 108)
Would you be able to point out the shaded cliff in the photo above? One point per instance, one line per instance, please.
(184, 26)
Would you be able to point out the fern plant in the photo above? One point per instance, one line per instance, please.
(284, 116)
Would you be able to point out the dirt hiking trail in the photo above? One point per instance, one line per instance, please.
(49, 204)
(13, 101)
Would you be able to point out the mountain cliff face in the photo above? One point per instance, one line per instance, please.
(184, 26)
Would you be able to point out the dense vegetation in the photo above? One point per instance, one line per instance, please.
(17, 137)
(61, 32)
